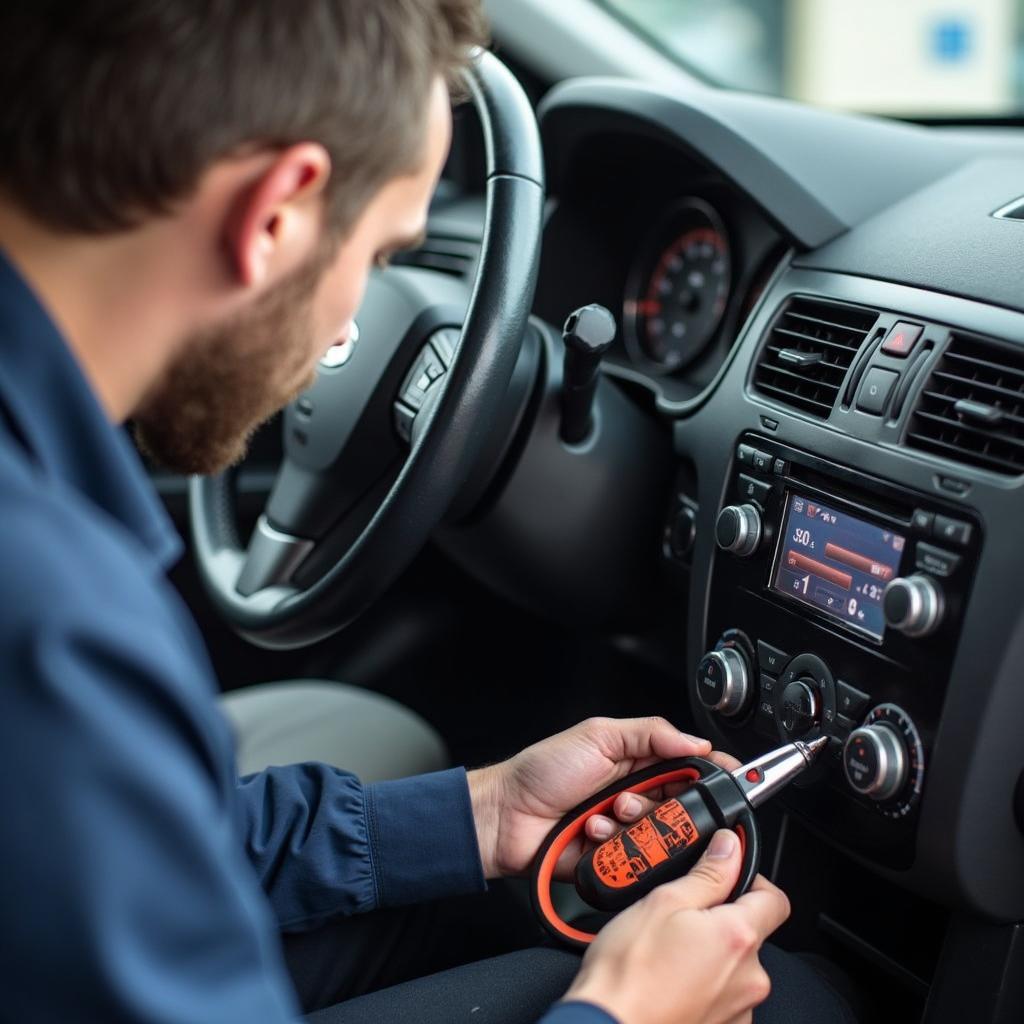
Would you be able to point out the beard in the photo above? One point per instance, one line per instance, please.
(230, 379)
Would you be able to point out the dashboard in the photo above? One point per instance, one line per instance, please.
(677, 256)
(833, 339)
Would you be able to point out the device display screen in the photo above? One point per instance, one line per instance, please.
(837, 563)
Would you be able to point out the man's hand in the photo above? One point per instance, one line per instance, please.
(681, 956)
(516, 803)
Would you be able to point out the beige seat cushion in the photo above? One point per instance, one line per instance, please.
(314, 720)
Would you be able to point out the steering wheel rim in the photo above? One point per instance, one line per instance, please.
(284, 615)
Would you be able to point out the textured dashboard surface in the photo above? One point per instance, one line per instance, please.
(943, 238)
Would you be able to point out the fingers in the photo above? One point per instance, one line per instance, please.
(712, 878)
(630, 739)
(724, 760)
(765, 906)
(630, 807)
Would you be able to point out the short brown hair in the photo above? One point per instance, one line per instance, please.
(111, 110)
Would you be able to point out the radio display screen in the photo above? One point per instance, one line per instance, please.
(836, 563)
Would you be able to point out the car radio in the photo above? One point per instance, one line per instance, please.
(835, 602)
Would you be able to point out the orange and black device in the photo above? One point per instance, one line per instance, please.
(667, 842)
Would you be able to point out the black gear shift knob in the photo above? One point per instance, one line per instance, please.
(587, 334)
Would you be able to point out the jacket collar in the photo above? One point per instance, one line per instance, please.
(59, 421)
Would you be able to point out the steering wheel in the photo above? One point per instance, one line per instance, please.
(376, 451)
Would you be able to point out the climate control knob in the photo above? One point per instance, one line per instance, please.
(800, 707)
(913, 605)
(723, 681)
(738, 529)
(875, 761)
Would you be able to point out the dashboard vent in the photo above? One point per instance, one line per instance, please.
(971, 408)
(455, 256)
(809, 351)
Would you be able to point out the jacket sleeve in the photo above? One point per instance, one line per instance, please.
(323, 844)
(126, 893)
(575, 1012)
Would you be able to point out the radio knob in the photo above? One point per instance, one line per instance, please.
(723, 681)
(800, 707)
(913, 605)
(875, 761)
(738, 529)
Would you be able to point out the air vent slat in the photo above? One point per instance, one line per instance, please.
(823, 323)
(965, 384)
(829, 335)
(970, 360)
(817, 342)
(951, 400)
(971, 408)
(775, 349)
(799, 400)
(970, 428)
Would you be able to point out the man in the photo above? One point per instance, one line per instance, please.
(191, 196)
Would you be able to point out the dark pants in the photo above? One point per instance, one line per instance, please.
(479, 960)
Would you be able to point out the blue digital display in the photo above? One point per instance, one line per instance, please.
(836, 563)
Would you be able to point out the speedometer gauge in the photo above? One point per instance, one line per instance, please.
(678, 288)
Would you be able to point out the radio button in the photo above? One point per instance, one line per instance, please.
(744, 455)
(771, 659)
(850, 701)
(955, 531)
(754, 490)
(738, 529)
(923, 520)
(936, 561)
(913, 605)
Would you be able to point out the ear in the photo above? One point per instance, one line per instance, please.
(276, 221)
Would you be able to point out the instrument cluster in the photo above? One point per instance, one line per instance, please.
(693, 277)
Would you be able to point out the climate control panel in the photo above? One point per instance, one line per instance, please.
(834, 603)
(878, 753)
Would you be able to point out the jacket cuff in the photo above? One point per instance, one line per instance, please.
(422, 836)
(576, 1012)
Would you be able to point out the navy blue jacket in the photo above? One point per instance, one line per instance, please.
(142, 880)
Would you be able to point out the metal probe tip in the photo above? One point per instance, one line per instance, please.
(766, 775)
(813, 748)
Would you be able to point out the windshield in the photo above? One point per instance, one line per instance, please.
(939, 58)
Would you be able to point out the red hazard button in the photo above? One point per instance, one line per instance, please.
(901, 339)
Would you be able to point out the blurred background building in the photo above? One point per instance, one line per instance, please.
(939, 58)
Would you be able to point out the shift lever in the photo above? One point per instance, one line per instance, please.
(587, 334)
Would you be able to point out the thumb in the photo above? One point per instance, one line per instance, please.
(712, 878)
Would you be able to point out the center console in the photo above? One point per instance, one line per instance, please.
(835, 601)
